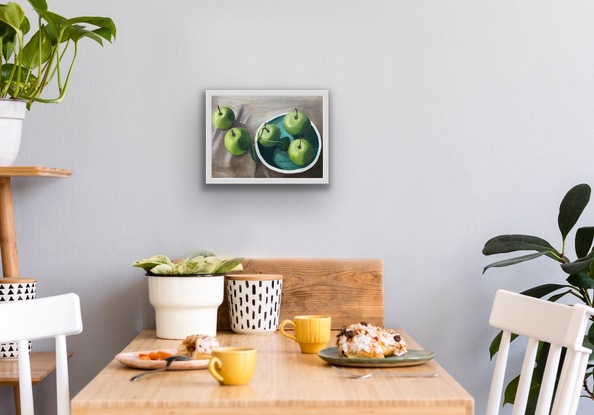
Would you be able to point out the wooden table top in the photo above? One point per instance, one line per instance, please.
(284, 378)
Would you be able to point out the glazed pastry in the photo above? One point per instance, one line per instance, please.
(367, 341)
(198, 346)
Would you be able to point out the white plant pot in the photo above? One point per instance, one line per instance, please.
(186, 305)
(12, 114)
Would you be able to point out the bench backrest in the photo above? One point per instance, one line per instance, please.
(350, 290)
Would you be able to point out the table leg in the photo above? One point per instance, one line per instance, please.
(8, 242)
(17, 399)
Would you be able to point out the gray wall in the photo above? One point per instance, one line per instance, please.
(451, 121)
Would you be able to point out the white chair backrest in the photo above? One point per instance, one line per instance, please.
(42, 318)
(560, 325)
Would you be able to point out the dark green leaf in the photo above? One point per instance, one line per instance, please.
(510, 243)
(589, 342)
(557, 297)
(542, 290)
(579, 265)
(509, 395)
(512, 261)
(572, 206)
(581, 280)
(541, 360)
(583, 240)
(496, 342)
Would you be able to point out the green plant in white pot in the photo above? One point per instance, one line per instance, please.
(32, 62)
(186, 294)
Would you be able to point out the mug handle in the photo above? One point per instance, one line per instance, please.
(214, 367)
(282, 329)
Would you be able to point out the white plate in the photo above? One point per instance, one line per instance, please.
(132, 359)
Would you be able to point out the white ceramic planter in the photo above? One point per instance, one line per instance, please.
(186, 305)
(12, 114)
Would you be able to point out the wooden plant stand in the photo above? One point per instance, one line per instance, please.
(42, 363)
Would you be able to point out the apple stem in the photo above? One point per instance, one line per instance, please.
(265, 125)
(233, 132)
(219, 108)
(299, 145)
(296, 113)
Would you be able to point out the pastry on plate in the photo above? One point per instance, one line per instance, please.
(198, 346)
(364, 340)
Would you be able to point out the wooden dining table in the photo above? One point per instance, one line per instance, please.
(285, 381)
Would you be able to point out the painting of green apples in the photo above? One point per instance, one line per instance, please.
(267, 136)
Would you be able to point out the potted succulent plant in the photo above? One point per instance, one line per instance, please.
(579, 278)
(186, 294)
(47, 58)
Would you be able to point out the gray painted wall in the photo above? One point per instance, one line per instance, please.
(451, 121)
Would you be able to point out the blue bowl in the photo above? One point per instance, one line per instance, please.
(277, 159)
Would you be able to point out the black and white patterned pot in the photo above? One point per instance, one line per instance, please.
(15, 289)
(254, 302)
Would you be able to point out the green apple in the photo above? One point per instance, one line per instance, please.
(296, 123)
(237, 141)
(301, 152)
(223, 118)
(269, 135)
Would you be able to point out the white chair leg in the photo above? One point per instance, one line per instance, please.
(25, 383)
(62, 385)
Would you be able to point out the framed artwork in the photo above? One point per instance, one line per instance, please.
(267, 136)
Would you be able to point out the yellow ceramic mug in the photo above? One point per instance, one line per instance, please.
(311, 332)
(232, 365)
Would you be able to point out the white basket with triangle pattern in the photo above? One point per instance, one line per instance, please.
(15, 289)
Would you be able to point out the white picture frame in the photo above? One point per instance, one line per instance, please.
(275, 160)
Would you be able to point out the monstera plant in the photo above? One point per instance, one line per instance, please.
(576, 279)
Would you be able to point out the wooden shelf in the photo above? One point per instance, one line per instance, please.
(33, 171)
(42, 364)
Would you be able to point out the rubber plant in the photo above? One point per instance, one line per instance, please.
(27, 67)
(576, 280)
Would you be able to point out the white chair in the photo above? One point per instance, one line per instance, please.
(560, 325)
(42, 318)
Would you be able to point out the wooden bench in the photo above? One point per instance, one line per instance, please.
(349, 290)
